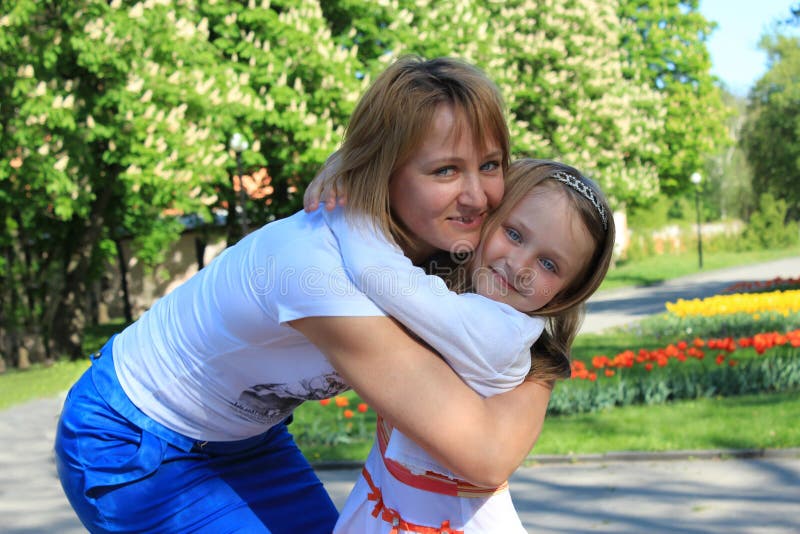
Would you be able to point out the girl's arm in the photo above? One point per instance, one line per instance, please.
(482, 340)
(325, 187)
(482, 439)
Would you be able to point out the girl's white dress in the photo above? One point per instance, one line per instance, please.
(402, 488)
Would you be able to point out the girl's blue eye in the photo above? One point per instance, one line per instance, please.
(490, 166)
(513, 235)
(547, 264)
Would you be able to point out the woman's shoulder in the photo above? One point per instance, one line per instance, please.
(303, 238)
(297, 261)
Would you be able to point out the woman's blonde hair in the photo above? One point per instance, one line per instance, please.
(564, 313)
(394, 115)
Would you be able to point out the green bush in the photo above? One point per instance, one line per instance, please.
(653, 215)
(724, 242)
(768, 228)
(643, 245)
(667, 327)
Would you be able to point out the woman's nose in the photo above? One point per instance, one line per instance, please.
(472, 193)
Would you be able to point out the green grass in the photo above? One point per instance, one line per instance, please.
(323, 434)
(700, 424)
(746, 422)
(38, 382)
(705, 424)
(656, 269)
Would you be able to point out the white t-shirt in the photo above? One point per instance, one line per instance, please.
(214, 359)
(486, 342)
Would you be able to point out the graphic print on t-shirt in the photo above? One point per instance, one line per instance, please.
(270, 404)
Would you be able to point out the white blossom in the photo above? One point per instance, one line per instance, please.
(61, 162)
(136, 11)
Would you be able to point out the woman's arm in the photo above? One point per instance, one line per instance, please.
(483, 340)
(483, 440)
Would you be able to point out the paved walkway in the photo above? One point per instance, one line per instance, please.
(649, 494)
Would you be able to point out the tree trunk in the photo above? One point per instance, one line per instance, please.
(123, 279)
(66, 315)
(200, 252)
(10, 317)
(232, 227)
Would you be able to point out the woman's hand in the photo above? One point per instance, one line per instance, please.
(325, 188)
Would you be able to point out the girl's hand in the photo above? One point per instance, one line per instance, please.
(326, 187)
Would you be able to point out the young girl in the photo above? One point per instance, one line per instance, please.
(544, 251)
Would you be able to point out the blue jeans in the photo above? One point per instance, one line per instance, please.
(124, 472)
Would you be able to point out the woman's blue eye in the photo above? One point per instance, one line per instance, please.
(445, 171)
(490, 166)
(547, 264)
(513, 235)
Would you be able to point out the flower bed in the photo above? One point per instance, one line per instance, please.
(740, 343)
(737, 315)
(340, 420)
(776, 284)
(682, 351)
(768, 362)
(781, 302)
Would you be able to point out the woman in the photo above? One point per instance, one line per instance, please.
(179, 425)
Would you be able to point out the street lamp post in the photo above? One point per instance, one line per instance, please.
(696, 178)
(239, 144)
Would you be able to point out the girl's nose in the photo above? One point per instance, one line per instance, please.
(525, 276)
(523, 267)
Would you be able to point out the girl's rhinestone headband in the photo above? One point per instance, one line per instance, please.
(576, 184)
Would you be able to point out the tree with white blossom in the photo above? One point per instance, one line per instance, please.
(105, 125)
(116, 120)
(303, 89)
(116, 116)
(560, 67)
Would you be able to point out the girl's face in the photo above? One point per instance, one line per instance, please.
(535, 253)
(442, 193)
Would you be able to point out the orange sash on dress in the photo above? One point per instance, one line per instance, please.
(430, 480)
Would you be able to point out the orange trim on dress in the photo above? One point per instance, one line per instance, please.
(430, 480)
(392, 516)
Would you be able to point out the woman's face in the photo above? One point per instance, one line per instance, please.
(534, 253)
(442, 193)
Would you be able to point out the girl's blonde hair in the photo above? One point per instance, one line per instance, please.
(393, 117)
(564, 313)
